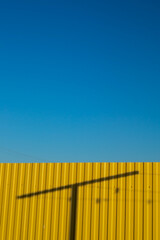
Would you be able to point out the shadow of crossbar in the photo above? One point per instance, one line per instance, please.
(80, 184)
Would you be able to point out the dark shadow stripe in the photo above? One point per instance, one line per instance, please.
(73, 213)
(127, 174)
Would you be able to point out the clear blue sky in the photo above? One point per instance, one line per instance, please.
(79, 81)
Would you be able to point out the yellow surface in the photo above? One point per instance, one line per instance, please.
(121, 208)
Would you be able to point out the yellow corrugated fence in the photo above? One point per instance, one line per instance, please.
(115, 201)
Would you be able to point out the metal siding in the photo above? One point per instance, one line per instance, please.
(121, 208)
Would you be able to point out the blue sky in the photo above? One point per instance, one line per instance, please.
(79, 81)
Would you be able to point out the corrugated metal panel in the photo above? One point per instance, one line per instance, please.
(124, 203)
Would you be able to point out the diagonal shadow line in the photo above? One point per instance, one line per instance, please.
(127, 174)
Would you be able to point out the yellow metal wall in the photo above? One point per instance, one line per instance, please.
(123, 208)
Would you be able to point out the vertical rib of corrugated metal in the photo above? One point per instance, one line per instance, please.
(6, 195)
(130, 202)
(139, 202)
(103, 223)
(121, 208)
(121, 204)
(87, 200)
(48, 201)
(148, 201)
(95, 202)
(112, 203)
(156, 201)
(33, 201)
(80, 204)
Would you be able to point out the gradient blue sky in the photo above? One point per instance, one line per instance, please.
(79, 81)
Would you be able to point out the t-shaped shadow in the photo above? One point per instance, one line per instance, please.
(74, 188)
